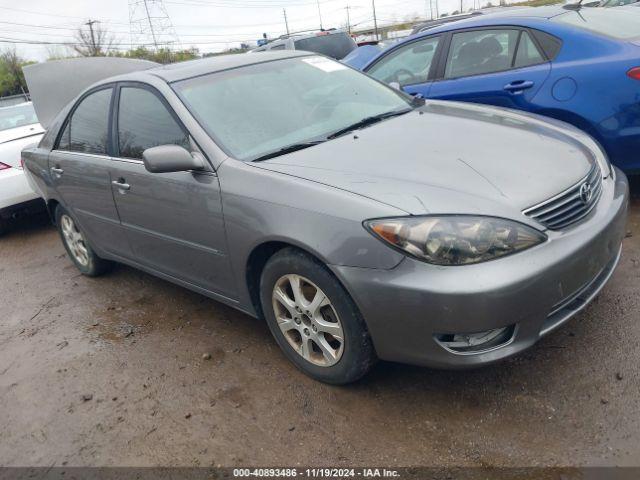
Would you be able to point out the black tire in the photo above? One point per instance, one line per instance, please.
(94, 265)
(358, 355)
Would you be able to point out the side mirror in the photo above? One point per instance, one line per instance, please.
(395, 86)
(171, 158)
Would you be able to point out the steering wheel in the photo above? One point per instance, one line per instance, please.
(401, 72)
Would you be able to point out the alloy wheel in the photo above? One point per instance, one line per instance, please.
(308, 320)
(74, 240)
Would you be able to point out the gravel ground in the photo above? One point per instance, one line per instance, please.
(110, 371)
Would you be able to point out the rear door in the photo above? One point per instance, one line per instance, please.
(410, 65)
(79, 167)
(496, 66)
(173, 220)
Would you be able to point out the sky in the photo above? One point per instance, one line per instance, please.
(209, 25)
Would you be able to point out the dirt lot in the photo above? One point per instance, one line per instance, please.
(110, 371)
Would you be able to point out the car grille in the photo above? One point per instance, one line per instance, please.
(571, 205)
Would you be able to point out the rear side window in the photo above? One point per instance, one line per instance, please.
(550, 45)
(481, 52)
(144, 122)
(407, 65)
(527, 54)
(87, 129)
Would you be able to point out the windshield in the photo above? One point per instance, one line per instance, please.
(259, 109)
(17, 116)
(621, 24)
(334, 45)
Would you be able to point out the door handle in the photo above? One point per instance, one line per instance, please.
(121, 185)
(518, 86)
(57, 171)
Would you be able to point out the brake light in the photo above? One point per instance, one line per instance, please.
(634, 73)
(4, 166)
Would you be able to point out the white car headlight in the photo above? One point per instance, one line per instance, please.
(455, 239)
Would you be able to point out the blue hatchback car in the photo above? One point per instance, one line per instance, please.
(579, 66)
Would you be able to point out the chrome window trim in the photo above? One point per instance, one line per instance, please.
(96, 155)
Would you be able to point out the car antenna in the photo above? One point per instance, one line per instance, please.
(573, 6)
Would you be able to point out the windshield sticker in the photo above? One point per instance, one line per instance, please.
(324, 64)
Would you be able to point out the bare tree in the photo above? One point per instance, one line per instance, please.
(93, 41)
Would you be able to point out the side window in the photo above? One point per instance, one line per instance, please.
(408, 65)
(88, 128)
(528, 53)
(481, 52)
(144, 122)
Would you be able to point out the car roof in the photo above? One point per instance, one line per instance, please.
(194, 68)
(490, 18)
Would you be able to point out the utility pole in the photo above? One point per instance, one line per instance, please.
(153, 33)
(461, 7)
(319, 14)
(286, 23)
(375, 19)
(348, 19)
(93, 38)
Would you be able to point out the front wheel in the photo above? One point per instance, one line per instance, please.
(78, 247)
(314, 320)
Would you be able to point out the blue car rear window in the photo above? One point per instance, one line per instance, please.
(623, 24)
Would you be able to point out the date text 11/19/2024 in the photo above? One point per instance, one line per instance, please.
(316, 472)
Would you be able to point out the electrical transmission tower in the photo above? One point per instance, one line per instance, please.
(150, 25)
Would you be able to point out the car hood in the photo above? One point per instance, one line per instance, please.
(361, 56)
(449, 157)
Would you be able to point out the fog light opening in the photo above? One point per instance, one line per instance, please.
(476, 342)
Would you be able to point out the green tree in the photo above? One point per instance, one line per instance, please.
(11, 77)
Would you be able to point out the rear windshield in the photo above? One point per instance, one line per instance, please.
(335, 45)
(623, 24)
(17, 116)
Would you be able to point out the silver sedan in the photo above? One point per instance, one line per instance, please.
(360, 223)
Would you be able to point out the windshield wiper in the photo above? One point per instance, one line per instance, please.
(365, 122)
(288, 149)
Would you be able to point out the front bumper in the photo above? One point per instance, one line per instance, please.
(535, 291)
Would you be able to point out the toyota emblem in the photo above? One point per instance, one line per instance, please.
(586, 192)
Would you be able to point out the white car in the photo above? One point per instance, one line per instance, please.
(19, 128)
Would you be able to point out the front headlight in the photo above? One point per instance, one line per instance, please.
(455, 239)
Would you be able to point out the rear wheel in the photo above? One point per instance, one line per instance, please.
(78, 247)
(314, 320)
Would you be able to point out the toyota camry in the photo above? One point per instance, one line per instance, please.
(359, 222)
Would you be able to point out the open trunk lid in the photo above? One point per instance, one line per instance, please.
(54, 84)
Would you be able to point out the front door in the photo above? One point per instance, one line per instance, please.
(79, 166)
(173, 220)
(409, 66)
(502, 67)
